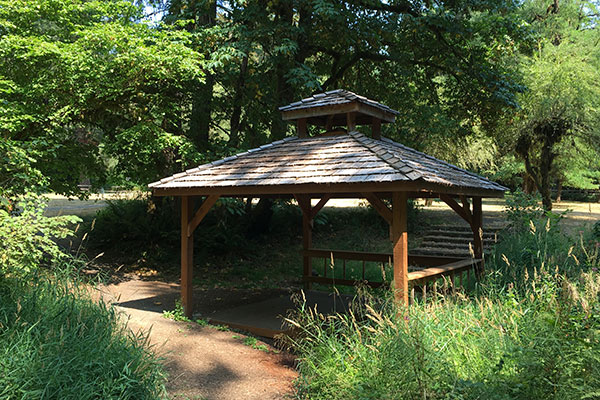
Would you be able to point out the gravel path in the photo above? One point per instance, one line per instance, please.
(202, 362)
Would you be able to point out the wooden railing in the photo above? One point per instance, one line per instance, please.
(422, 269)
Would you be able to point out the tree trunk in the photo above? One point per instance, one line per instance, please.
(559, 187)
(234, 133)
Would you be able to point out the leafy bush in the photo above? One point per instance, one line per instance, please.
(155, 223)
(538, 339)
(522, 208)
(27, 240)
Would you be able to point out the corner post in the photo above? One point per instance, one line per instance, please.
(187, 257)
(351, 121)
(477, 227)
(400, 243)
(376, 128)
(305, 206)
(302, 129)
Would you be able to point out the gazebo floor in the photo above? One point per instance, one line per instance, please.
(265, 318)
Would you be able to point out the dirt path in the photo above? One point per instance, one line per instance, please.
(202, 361)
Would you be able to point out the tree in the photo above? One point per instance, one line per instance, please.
(440, 64)
(89, 91)
(558, 111)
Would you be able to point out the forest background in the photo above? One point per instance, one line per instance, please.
(124, 93)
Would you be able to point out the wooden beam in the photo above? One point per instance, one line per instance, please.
(315, 210)
(477, 227)
(319, 111)
(338, 281)
(376, 128)
(376, 112)
(465, 203)
(464, 214)
(302, 129)
(437, 272)
(416, 187)
(201, 213)
(187, 257)
(351, 121)
(400, 249)
(329, 123)
(380, 206)
(306, 244)
(304, 203)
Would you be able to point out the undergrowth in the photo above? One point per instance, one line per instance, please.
(529, 330)
(56, 342)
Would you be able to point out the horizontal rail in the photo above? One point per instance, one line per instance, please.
(436, 272)
(379, 257)
(348, 255)
(344, 282)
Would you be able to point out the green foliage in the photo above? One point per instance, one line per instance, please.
(28, 238)
(56, 342)
(254, 343)
(596, 230)
(177, 314)
(81, 82)
(137, 220)
(142, 223)
(555, 129)
(522, 208)
(534, 338)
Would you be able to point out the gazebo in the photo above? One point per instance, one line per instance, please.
(337, 163)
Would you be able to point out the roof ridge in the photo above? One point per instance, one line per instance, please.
(388, 157)
(219, 162)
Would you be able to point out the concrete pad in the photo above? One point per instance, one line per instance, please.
(265, 318)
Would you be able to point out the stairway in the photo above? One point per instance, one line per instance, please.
(453, 241)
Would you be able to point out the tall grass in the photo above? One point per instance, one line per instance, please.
(531, 330)
(55, 341)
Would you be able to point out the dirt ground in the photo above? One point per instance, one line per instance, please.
(203, 362)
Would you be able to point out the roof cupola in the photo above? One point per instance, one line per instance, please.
(338, 108)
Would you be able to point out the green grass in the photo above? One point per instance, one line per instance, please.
(530, 330)
(56, 343)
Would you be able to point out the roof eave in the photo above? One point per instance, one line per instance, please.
(333, 188)
(326, 110)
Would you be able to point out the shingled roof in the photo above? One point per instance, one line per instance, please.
(320, 164)
(336, 103)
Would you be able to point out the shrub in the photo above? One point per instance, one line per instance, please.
(522, 208)
(28, 239)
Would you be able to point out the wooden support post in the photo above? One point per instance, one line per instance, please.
(376, 128)
(351, 121)
(477, 227)
(187, 257)
(305, 206)
(329, 123)
(306, 244)
(400, 242)
(302, 129)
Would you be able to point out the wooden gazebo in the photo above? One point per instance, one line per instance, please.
(337, 163)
